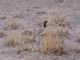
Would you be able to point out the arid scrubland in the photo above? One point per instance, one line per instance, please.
(51, 42)
(39, 29)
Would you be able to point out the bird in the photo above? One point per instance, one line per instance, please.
(45, 24)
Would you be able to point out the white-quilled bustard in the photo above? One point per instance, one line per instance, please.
(45, 24)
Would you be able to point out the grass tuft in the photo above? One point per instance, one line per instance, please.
(60, 32)
(11, 24)
(20, 48)
(27, 36)
(50, 44)
(10, 40)
(52, 40)
(58, 20)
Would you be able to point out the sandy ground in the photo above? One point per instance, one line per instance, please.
(27, 12)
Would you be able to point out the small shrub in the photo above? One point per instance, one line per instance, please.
(11, 24)
(27, 38)
(10, 40)
(61, 32)
(50, 44)
(29, 32)
(58, 20)
(20, 48)
(57, 31)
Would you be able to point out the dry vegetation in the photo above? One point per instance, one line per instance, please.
(53, 39)
(58, 20)
(27, 36)
(60, 32)
(29, 32)
(20, 48)
(51, 43)
(10, 40)
(11, 24)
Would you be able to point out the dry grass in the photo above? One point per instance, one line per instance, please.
(28, 35)
(60, 32)
(10, 40)
(53, 39)
(20, 48)
(11, 24)
(29, 32)
(58, 20)
(27, 38)
(50, 44)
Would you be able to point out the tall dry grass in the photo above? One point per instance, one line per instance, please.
(51, 43)
(56, 32)
(10, 40)
(60, 32)
(11, 24)
(58, 20)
